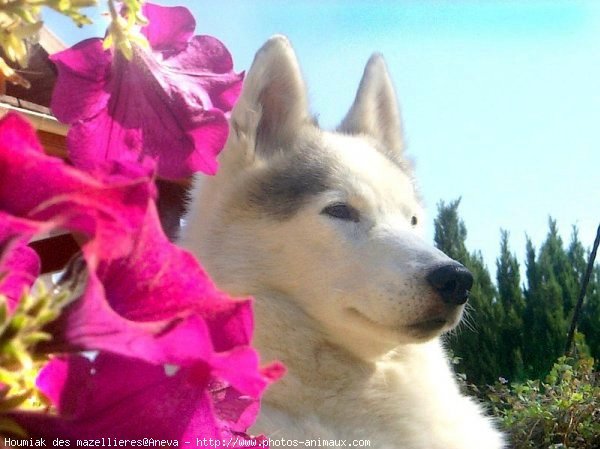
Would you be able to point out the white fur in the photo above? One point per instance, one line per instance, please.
(344, 304)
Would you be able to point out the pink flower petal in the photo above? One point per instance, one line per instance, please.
(101, 146)
(146, 304)
(154, 283)
(81, 86)
(175, 403)
(18, 271)
(204, 58)
(17, 133)
(155, 265)
(206, 144)
(53, 377)
(44, 188)
(89, 323)
(19, 264)
(140, 288)
(117, 397)
(169, 28)
(168, 104)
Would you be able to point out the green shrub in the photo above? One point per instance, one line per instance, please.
(561, 412)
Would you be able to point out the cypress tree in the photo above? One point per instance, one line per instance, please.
(576, 254)
(475, 341)
(550, 296)
(557, 258)
(518, 331)
(511, 300)
(451, 232)
(589, 323)
(530, 323)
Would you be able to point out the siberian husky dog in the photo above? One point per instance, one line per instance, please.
(324, 230)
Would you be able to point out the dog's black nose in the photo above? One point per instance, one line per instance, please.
(452, 282)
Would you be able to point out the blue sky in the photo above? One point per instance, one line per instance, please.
(500, 99)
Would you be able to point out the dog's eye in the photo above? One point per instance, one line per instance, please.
(414, 220)
(342, 211)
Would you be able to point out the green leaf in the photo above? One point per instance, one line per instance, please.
(13, 402)
(9, 378)
(36, 337)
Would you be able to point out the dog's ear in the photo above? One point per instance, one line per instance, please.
(375, 111)
(273, 103)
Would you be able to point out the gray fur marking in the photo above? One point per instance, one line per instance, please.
(284, 189)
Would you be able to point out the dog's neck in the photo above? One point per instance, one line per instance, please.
(320, 359)
(330, 393)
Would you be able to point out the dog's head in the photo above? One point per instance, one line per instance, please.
(331, 220)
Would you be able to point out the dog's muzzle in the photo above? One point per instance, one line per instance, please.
(452, 281)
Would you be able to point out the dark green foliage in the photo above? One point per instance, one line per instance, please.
(517, 331)
(512, 301)
(451, 232)
(589, 324)
(576, 254)
(545, 327)
(475, 342)
(553, 284)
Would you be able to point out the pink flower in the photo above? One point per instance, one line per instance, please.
(116, 397)
(19, 264)
(148, 296)
(174, 352)
(43, 189)
(168, 104)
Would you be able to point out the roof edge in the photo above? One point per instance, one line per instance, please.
(50, 42)
(43, 122)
